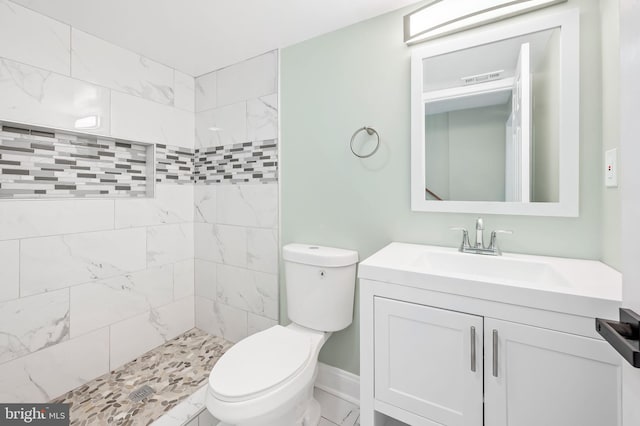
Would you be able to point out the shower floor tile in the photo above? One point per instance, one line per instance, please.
(174, 371)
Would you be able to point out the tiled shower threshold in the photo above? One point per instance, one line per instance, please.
(176, 372)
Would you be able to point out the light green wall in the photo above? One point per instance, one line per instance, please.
(611, 214)
(333, 84)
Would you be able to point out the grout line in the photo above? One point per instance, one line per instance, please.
(109, 345)
(56, 345)
(19, 269)
(71, 52)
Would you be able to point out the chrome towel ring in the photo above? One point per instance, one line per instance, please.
(371, 131)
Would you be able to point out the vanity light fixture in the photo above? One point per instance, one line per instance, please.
(215, 129)
(444, 17)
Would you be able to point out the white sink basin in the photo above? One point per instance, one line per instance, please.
(576, 286)
(516, 271)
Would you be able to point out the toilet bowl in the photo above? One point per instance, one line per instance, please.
(267, 379)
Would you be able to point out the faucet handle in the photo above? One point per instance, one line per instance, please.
(493, 243)
(465, 236)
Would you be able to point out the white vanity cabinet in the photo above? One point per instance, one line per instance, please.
(534, 376)
(416, 345)
(453, 339)
(434, 366)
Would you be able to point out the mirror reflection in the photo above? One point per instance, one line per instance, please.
(492, 121)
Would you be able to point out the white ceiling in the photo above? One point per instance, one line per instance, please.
(199, 36)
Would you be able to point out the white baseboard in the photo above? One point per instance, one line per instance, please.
(339, 383)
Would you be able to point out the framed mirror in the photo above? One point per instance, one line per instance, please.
(495, 119)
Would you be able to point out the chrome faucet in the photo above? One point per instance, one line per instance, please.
(479, 247)
(479, 233)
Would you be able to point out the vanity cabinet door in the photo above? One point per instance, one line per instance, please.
(428, 361)
(544, 377)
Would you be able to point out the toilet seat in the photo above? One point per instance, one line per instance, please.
(236, 396)
(260, 363)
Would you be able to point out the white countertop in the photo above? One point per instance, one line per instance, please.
(574, 286)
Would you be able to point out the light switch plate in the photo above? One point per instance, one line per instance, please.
(611, 168)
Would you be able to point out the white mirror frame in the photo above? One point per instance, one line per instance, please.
(569, 131)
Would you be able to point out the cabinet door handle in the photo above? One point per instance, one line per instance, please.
(473, 349)
(495, 353)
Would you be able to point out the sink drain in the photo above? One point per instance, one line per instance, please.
(141, 393)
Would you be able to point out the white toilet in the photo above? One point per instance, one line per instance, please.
(267, 379)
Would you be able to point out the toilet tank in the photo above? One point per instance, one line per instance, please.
(320, 285)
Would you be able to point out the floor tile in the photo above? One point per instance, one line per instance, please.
(336, 410)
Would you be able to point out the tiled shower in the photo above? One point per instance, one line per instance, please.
(103, 258)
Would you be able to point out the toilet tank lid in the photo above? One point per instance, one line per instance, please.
(310, 254)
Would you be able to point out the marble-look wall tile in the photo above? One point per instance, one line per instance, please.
(146, 121)
(46, 374)
(33, 323)
(256, 323)
(39, 97)
(206, 245)
(32, 38)
(252, 291)
(221, 320)
(137, 335)
(184, 87)
(206, 91)
(49, 263)
(248, 79)
(204, 315)
(100, 62)
(221, 244)
(205, 279)
(183, 279)
(262, 250)
(222, 126)
(169, 243)
(205, 203)
(171, 204)
(9, 270)
(101, 303)
(248, 205)
(25, 219)
(262, 118)
(232, 244)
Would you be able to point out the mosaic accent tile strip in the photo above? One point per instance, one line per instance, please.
(174, 164)
(174, 371)
(47, 164)
(43, 164)
(255, 162)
